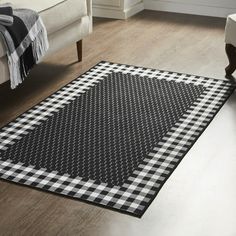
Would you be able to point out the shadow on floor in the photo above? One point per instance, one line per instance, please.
(182, 19)
(41, 78)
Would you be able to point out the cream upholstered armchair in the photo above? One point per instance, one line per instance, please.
(66, 21)
(230, 47)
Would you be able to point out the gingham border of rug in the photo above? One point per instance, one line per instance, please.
(136, 194)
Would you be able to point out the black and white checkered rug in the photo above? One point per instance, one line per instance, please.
(111, 137)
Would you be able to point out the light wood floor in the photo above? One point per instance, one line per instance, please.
(185, 206)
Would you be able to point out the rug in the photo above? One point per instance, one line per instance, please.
(113, 136)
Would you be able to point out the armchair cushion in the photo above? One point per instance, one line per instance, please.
(38, 6)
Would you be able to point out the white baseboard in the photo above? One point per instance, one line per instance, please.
(188, 8)
(117, 13)
(134, 9)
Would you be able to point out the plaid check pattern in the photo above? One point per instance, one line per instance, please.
(136, 194)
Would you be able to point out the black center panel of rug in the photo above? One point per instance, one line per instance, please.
(105, 133)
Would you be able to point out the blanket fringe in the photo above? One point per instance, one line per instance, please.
(15, 74)
(40, 44)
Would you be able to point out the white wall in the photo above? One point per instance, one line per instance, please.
(220, 8)
(122, 9)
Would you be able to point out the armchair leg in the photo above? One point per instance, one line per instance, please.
(231, 53)
(79, 50)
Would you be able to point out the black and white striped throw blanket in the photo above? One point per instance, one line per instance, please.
(25, 38)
